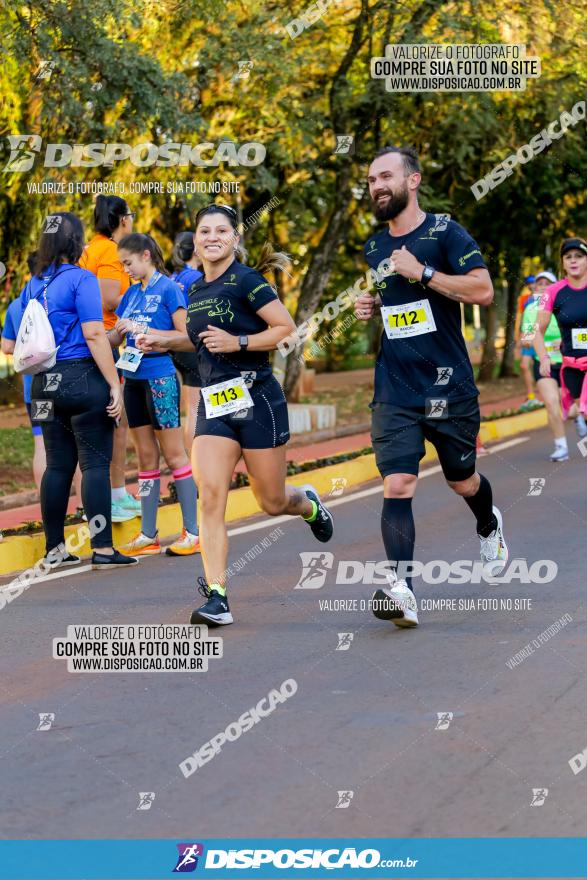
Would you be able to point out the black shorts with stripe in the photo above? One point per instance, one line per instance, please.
(265, 425)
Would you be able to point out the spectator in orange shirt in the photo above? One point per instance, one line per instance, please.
(112, 221)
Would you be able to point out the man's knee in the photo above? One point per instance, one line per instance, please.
(400, 485)
(465, 488)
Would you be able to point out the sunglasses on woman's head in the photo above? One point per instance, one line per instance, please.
(216, 205)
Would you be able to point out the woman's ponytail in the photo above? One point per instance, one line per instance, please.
(278, 261)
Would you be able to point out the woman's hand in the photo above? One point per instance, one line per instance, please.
(114, 408)
(219, 341)
(124, 326)
(545, 367)
(150, 342)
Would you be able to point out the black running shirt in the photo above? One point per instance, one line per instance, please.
(569, 307)
(426, 355)
(230, 302)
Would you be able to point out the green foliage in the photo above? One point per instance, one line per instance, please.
(144, 71)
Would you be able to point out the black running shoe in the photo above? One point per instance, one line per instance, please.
(114, 560)
(68, 559)
(323, 526)
(214, 612)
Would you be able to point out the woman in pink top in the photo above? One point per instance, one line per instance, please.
(567, 300)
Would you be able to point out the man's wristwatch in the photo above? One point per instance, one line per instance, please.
(243, 341)
(427, 275)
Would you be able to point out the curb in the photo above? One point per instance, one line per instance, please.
(23, 551)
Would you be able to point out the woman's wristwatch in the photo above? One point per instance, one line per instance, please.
(243, 341)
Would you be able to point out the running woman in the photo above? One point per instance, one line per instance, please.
(151, 392)
(548, 388)
(186, 273)
(567, 301)
(424, 385)
(235, 319)
(112, 221)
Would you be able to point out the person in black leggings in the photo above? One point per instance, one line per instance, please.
(76, 401)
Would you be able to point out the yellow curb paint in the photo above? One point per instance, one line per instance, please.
(20, 552)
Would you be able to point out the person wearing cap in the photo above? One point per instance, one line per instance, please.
(525, 351)
(567, 301)
(548, 388)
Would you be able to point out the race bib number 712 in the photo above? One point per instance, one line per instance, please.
(409, 319)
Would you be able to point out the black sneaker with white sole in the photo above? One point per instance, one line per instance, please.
(112, 560)
(68, 559)
(323, 526)
(214, 612)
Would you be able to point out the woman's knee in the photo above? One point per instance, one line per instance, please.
(212, 499)
(273, 505)
(177, 461)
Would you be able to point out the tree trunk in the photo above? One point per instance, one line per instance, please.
(513, 276)
(487, 366)
(318, 274)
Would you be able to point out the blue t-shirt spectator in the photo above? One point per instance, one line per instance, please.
(73, 298)
(184, 279)
(12, 321)
(154, 306)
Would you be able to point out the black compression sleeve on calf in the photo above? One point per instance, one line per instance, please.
(398, 530)
(482, 506)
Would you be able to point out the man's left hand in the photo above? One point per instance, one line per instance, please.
(406, 264)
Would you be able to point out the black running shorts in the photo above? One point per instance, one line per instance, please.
(398, 435)
(152, 402)
(262, 426)
(555, 372)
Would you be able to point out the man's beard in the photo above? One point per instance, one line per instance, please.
(394, 205)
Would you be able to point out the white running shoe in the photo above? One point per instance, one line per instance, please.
(396, 603)
(561, 453)
(494, 550)
(142, 545)
(581, 426)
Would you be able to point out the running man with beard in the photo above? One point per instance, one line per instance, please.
(424, 384)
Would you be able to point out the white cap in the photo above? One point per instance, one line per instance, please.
(548, 275)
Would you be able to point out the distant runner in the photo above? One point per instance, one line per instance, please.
(567, 301)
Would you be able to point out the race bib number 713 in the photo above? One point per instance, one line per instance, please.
(409, 319)
(226, 397)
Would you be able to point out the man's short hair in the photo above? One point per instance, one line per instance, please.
(409, 157)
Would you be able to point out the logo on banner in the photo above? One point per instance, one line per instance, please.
(187, 859)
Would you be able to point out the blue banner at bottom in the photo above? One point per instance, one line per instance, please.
(557, 857)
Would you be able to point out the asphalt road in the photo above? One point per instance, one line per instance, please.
(363, 720)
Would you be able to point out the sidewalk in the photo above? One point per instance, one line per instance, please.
(305, 451)
(10, 519)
